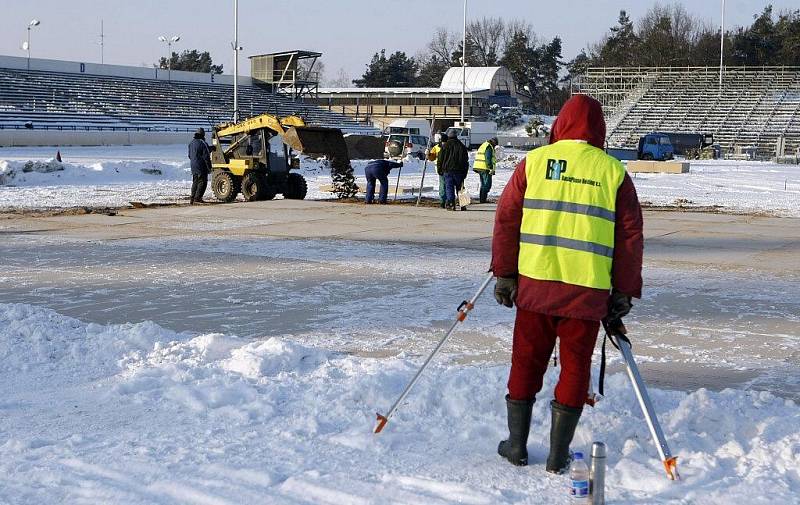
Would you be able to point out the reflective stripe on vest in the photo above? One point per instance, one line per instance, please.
(568, 216)
(480, 158)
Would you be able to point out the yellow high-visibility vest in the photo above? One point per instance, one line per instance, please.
(568, 216)
(480, 158)
(433, 154)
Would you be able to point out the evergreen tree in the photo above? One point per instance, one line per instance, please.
(758, 44)
(519, 58)
(667, 35)
(788, 30)
(549, 67)
(431, 71)
(620, 47)
(191, 61)
(398, 70)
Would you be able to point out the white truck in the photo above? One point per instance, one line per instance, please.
(474, 133)
(407, 137)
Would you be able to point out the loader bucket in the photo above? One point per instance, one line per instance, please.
(365, 147)
(315, 141)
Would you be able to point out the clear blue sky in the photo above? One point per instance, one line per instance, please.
(347, 32)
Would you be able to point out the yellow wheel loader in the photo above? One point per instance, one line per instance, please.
(256, 156)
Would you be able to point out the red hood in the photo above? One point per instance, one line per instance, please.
(581, 118)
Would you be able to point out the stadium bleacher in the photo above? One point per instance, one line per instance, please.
(54, 100)
(756, 105)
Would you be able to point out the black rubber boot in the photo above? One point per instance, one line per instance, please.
(515, 449)
(564, 420)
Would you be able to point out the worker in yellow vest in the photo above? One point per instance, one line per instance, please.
(484, 165)
(433, 155)
(567, 251)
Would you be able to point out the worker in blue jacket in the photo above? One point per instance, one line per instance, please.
(379, 170)
(200, 157)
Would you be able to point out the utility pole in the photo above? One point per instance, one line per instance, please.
(722, 47)
(236, 61)
(464, 66)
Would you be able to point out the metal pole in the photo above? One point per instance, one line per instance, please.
(29, 48)
(397, 186)
(422, 182)
(670, 462)
(464, 66)
(721, 47)
(236, 61)
(463, 310)
(425, 165)
(169, 60)
(102, 43)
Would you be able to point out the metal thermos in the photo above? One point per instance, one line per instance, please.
(597, 474)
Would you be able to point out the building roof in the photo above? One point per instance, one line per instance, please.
(477, 77)
(299, 53)
(397, 91)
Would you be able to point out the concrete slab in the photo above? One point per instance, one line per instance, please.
(664, 167)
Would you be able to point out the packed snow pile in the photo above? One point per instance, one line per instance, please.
(139, 414)
(52, 172)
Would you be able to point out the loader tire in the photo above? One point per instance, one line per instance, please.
(225, 186)
(254, 186)
(296, 187)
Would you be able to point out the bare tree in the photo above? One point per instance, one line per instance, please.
(305, 69)
(486, 38)
(443, 45)
(515, 26)
(668, 33)
(342, 80)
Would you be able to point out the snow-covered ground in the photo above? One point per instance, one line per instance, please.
(116, 176)
(136, 413)
(235, 370)
(151, 371)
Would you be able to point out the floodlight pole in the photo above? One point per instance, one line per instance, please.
(169, 42)
(34, 22)
(236, 61)
(29, 48)
(721, 47)
(102, 43)
(464, 66)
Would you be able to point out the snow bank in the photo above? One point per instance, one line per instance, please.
(114, 177)
(161, 417)
(743, 186)
(52, 172)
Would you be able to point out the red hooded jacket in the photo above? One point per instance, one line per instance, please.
(581, 118)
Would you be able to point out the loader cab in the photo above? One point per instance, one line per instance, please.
(261, 147)
(278, 155)
(655, 146)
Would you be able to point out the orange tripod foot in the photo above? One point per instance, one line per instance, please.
(382, 420)
(671, 466)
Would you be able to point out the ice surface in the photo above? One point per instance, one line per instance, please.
(154, 416)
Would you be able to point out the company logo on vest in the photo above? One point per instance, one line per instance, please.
(555, 168)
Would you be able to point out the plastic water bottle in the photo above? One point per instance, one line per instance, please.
(579, 477)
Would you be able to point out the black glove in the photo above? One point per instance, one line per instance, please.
(619, 305)
(505, 291)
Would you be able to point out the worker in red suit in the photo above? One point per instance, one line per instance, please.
(567, 251)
